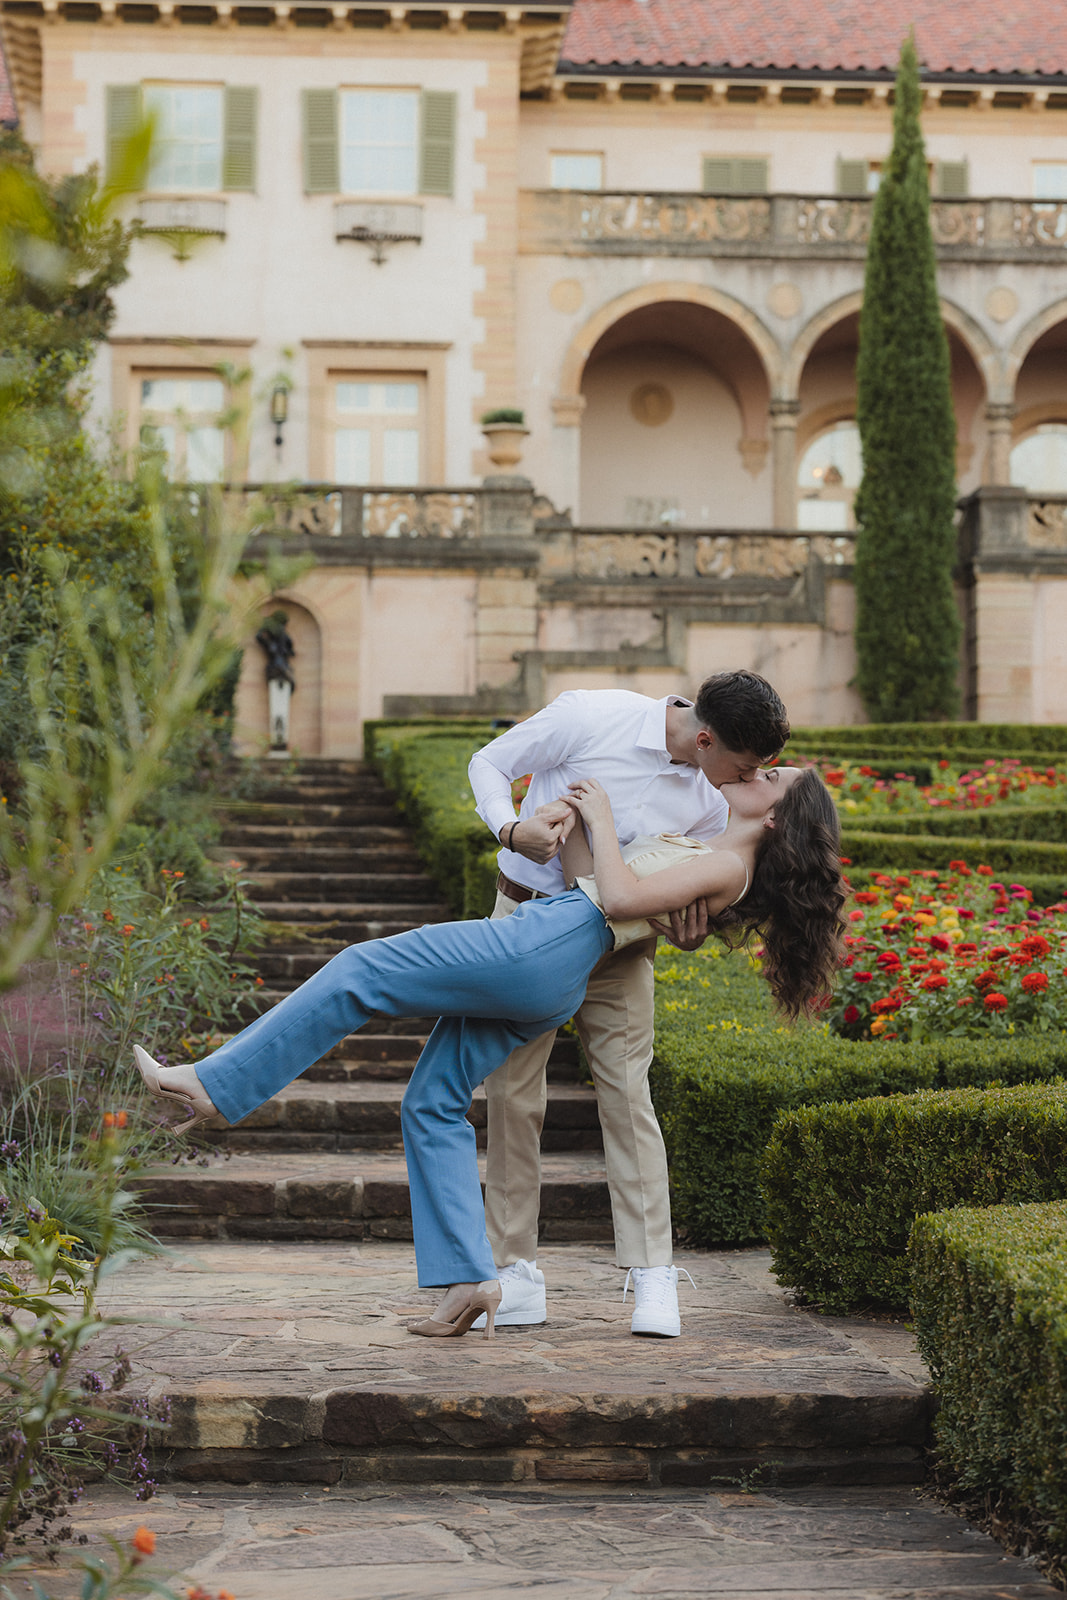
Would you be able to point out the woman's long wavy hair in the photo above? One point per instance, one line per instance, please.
(796, 898)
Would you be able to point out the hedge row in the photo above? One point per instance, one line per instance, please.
(937, 739)
(899, 852)
(843, 1184)
(426, 766)
(1045, 824)
(724, 1071)
(990, 1304)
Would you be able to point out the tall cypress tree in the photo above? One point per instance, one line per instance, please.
(907, 625)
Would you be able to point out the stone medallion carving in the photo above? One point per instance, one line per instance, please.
(652, 404)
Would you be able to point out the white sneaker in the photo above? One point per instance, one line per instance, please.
(655, 1301)
(522, 1302)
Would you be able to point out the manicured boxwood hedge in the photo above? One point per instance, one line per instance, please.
(900, 852)
(724, 1071)
(1045, 824)
(843, 1184)
(934, 738)
(989, 1297)
(426, 765)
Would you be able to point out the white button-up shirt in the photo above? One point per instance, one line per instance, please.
(614, 736)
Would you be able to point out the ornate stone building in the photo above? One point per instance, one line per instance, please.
(643, 223)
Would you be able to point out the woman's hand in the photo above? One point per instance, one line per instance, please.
(591, 801)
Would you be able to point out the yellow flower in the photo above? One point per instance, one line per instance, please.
(879, 1025)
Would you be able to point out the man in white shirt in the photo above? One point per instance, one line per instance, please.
(661, 762)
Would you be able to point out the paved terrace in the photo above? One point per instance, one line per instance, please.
(319, 1449)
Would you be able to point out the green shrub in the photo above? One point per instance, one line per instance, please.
(426, 766)
(724, 1070)
(844, 1183)
(990, 1304)
(905, 852)
(937, 739)
(1044, 824)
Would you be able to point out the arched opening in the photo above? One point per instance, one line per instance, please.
(251, 715)
(1039, 443)
(829, 462)
(674, 430)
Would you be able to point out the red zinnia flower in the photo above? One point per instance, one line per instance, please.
(863, 977)
(936, 980)
(851, 1014)
(996, 1002)
(866, 898)
(1036, 945)
(890, 1003)
(1034, 982)
(986, 978)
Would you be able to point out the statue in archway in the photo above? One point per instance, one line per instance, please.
(274, 640)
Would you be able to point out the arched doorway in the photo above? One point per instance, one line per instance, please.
(252, 727)
(674, 430)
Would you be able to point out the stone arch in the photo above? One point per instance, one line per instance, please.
(589, 335)
(307, 629)
(971, 334)
(1025, 340)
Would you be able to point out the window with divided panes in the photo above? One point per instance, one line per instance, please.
(379, 141)
(205, 134)
(378, 428)
(181, 415)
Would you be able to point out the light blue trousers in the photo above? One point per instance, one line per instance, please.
(494, 985)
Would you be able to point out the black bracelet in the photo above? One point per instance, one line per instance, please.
(511, 832)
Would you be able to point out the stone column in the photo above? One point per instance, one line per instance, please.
(999, 418)
(784, 415)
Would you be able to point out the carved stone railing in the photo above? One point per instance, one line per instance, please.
(1002, 526)
(610, 555)
(326, 511)
(625, 223)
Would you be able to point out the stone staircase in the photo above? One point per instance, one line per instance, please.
(330, 863)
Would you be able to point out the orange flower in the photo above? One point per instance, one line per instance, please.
(109, 1120)
(120, 1119)
(204, 924)
(144, 1541)
(127, 929)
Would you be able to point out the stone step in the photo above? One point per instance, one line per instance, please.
(293, 1363)
(363, 1114)
(379, 829)
(300, 790)
(308, 812)
(361, 1195)
(332, 860)
(328, 888)
(328, 938)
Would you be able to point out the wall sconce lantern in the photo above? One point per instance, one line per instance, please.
(279, 412)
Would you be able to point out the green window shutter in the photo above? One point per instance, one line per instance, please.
(239, 138)
(718, 175)
(735, 175)
(751, 174)
(322, 164)
(437, 153)
(851, 176)
(952, 180)
(123, 120)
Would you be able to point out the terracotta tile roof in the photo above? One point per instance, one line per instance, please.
(9, 115)
(990, 37)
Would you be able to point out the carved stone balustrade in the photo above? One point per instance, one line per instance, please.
(1003, 528)
(567, 222)
(699, 558)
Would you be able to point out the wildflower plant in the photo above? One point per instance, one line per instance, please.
(956, 953)
(59, 1414)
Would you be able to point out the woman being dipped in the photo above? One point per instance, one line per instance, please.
(498, 984)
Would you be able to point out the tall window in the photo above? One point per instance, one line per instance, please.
(1039, 462)
(187, 150)
(576, 169)
(379, 141)
(378, 429)
(827, 479)
(181, 415)
(1050, 180)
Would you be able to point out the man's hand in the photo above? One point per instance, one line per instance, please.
(540, 837)
(686, 929)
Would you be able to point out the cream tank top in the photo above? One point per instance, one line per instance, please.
(644, 856)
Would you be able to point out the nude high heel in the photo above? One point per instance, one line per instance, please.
(194, 1099)
(486, 1297)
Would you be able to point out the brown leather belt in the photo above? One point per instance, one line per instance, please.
(517, 891)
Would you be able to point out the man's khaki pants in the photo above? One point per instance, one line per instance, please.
(615, 1027)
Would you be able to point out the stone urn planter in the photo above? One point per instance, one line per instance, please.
(504, 436)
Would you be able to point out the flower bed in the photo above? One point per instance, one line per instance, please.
(862, 788)
(960, 954)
